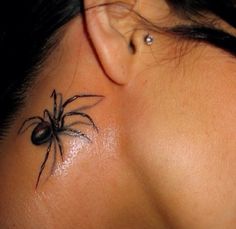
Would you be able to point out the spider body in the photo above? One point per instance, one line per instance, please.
(49, 127)
(42, 133)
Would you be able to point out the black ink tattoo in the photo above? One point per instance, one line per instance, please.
(50, 126)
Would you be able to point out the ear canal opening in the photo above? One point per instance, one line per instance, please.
(132, 47)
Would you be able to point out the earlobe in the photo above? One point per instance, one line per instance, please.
(110, 45)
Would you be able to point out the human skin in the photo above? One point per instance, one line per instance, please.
(164, 156)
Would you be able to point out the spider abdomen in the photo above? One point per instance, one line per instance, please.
(42, 133)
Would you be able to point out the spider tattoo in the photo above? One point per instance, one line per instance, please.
(51, 125)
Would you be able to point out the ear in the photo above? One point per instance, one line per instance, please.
(111, 46)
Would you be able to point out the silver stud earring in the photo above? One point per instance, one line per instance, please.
(148, 39)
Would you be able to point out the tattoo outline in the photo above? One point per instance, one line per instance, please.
(50, 126)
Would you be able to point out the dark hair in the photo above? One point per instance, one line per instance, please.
(204, 27)
(28, 31)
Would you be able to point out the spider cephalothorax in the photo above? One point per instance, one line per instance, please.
(51, 125)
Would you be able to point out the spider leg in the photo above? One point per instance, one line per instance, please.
(56, 108)
(54, 95)
(60, 109)
(54, 156)
(80, 114)
(25, 129)
(47, 113)
(75, 133)
(72, 99)
(28, 120)
(60, 146)
(44, 163)
(77, 123)
(86, 107)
